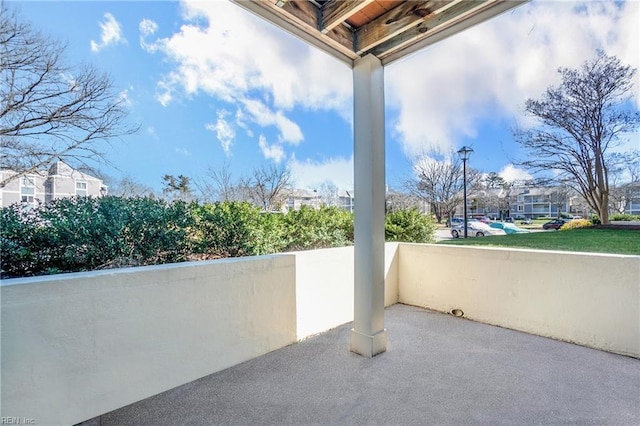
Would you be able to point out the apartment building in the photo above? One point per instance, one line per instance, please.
(539, 202)
(60, 181)
(630, 199)
(529, 202)
(303, 197)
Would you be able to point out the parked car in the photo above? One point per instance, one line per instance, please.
(475, 229)
(455, 221)
(554, 224)
(508, 228)
(526, 221)
(483, 219)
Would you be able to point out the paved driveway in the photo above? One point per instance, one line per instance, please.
(443, 234)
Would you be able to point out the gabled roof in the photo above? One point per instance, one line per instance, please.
(60, 168)
(388, 29)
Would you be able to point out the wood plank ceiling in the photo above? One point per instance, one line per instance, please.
(388, 29)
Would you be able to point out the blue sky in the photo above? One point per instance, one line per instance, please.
(209, 83)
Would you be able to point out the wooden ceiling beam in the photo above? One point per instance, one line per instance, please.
(419, 38)
(335, 12)
(398, 20)
(300, 18)
(451, 15)
(309, 14)
(407, 27)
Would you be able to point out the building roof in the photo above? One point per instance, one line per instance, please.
(388, 29)
(60, 168)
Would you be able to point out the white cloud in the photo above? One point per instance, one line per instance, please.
(441, 94)
(259, 113)
(124, 97)
(147, 27)
(164, 97)
(511, 173)
(223, 129)
(227, 53)
(273, 152)
(311, 174)
(111, 33)
(183, 151)
(151, 131)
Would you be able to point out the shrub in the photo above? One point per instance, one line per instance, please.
(232, 229)
(624, 217)
(309, 228)
(80, 234)
(19, 241)
(154, 231)
(576, 224)
(409, 226)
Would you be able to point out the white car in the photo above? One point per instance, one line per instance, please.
(475, 229)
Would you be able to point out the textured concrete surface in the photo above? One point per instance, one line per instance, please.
(438, 370)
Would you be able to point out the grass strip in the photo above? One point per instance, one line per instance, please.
(617, 241)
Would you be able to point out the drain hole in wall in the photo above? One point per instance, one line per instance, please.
(456, 312)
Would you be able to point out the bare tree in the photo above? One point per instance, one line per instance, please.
(633, 166)
(440, 183)
(49, 110)
(581, 120)
(128, 187)
(268, 186)
(399, 200)
(559, 197)
(328, 194)
(219, 185)
(625, 180)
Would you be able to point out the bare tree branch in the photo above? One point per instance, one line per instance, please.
(580, 122)
(49, 110)
(440, 182)
(268, 186)
(219, 185)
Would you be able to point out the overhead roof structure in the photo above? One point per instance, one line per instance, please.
(367, 35)
(387, 29)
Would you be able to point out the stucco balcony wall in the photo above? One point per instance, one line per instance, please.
(588, 299)
(77, 345)
(325, 289)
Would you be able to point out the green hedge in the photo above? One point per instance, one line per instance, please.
(624, 217)
(308, 228)
(409, 226)
(233, 229)
(82, 234)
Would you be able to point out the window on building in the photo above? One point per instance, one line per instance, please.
(28, 189)
(48, 190)
(81, 188)
(520, 208)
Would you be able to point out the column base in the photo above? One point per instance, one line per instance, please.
(366, 345)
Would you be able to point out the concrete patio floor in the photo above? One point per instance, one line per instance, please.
(438, 370)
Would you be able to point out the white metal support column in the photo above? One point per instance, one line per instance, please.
(368, 336)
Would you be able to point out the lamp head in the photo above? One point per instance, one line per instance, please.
(464, 153)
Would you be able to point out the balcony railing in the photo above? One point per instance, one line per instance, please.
(78, 345)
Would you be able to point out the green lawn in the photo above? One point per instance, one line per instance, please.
(586, 240)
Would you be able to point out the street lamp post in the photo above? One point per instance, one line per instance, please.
(464, 153)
